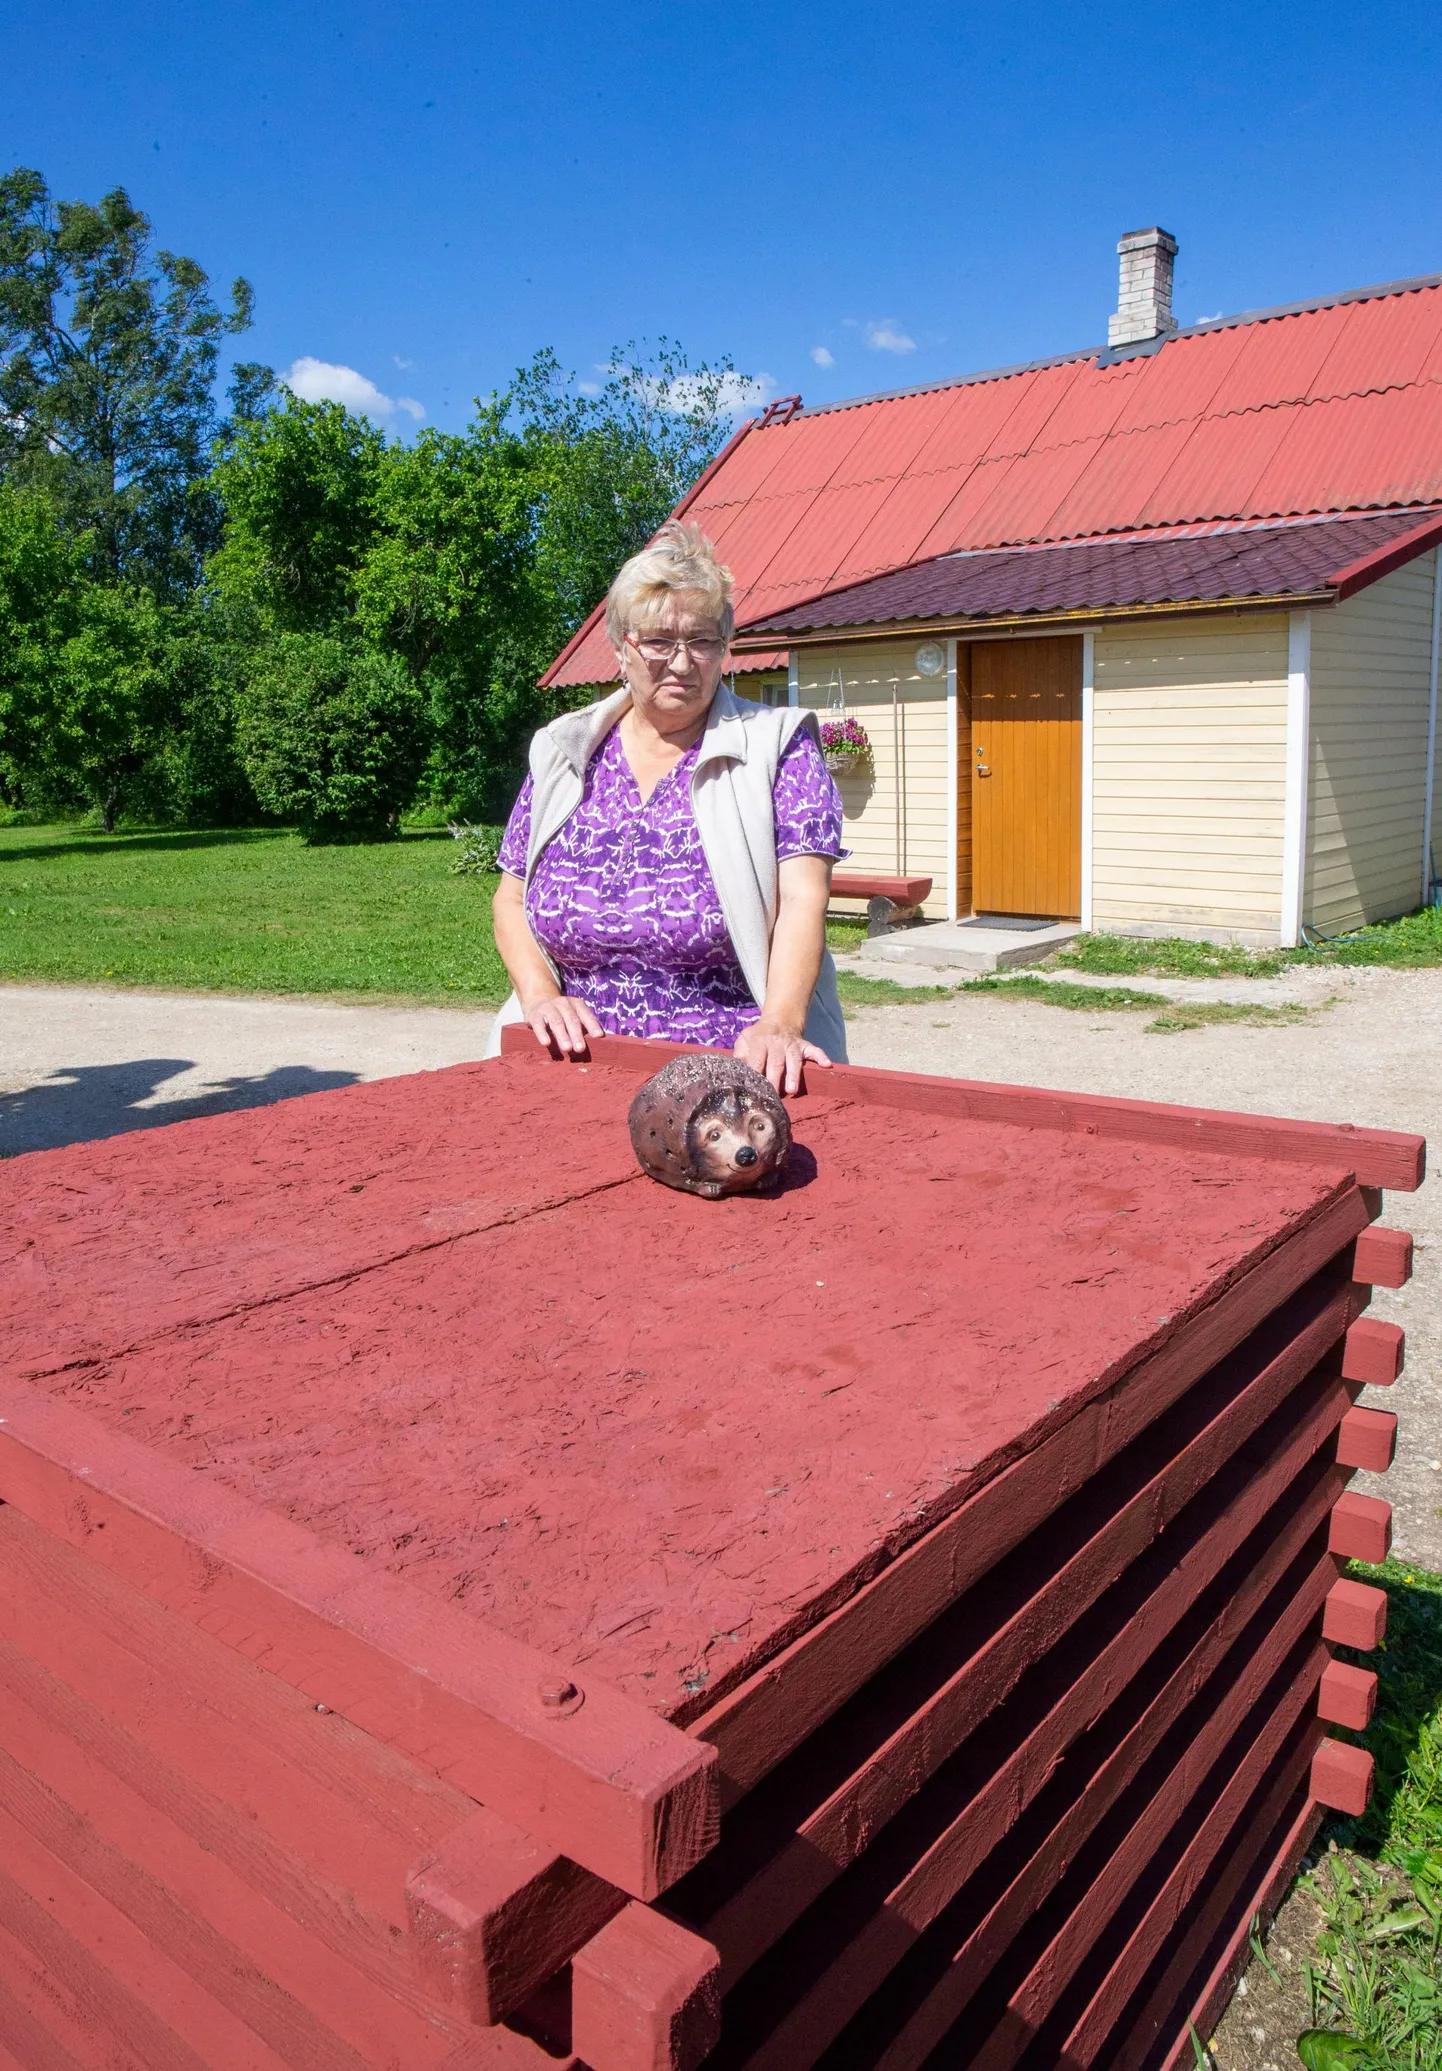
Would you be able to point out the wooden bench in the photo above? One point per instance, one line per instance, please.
(888, 899)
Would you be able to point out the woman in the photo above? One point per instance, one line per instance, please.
(667, 866)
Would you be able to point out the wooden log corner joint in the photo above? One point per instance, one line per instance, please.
(428, 1645)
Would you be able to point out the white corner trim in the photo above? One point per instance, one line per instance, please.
(953, 783)
(1298, 760)
(1431, 725)
(793, 680)
(1088, 740)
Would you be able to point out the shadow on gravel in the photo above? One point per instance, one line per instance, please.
(98, 1100)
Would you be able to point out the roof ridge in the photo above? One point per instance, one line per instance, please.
(1109, 357)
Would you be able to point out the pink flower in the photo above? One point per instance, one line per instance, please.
(845, 737)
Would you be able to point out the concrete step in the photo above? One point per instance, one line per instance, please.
(950, 945)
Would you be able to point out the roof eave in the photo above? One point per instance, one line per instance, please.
(1091, 614)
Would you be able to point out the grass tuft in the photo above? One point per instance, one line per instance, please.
(1176, 1015)
(1173, 957)
(857, 991)
(1412, 942)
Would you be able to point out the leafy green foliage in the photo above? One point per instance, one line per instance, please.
(1413, 941)
(300, 487)
(332, 735)
(1326, 2049)
(480, 850)
(1375, 1988)
(109, 354)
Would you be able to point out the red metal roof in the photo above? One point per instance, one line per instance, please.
(1335, 406)
(1301, 557)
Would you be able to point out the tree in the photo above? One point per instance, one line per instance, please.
(40, 569)
(333, 736)
(609, 468)
(111, 704)
(301, 488)
(109, 355)
(470, 557)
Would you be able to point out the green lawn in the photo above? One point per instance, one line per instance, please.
(252, 911)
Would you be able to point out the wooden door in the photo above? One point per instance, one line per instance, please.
(1026, 777)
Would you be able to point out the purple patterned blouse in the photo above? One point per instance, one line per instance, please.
(624, 904)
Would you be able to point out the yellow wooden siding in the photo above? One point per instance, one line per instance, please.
(1189, 777)
(1370, 667)
(884, 833)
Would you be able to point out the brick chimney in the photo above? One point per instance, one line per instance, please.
(1144, 301)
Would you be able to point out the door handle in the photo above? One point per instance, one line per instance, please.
(982, 770)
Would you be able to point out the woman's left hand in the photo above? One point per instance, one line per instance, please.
(777, 1055)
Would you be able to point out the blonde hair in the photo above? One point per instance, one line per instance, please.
(680, 557)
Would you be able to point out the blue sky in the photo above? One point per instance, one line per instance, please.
(843, 198)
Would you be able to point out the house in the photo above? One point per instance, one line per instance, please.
(1145, 635)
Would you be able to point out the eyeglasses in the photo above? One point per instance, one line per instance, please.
(662, 649)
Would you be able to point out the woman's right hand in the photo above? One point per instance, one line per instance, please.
(564, 1022)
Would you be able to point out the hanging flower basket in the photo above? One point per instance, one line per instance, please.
(845, 746)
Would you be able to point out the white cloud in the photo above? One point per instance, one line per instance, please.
(589, 388)
(406, 366)
(887, 336)
(318, 381)
(822, 357)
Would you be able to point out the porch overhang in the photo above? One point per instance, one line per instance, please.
(1279, 566)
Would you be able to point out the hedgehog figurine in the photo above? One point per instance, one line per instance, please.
(711, 1126)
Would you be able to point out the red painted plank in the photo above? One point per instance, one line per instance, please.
(1342, 1777)
(836, 1995)
(1374, 1352)
(41, 2013)
(1375, 1157)
(1088, 2037)
(1347, 1696)
(493, 1913)
(502, 2049)
(1356, 1615)
(118, 1981)
(619, 1789)
(997, 2033)
(239, 1934)
(1198, 1980)
(211, 1851)
(206, 1732)
(1384, 1257)
(645, 1996)
(1001, 1654)
(1361, 1528)
(992, 1931)
(861, 884)
(1367, 1439)
(829, 1837)
(285, 1987)
(756, 1725)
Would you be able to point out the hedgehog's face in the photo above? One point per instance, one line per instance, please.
(731, 1140)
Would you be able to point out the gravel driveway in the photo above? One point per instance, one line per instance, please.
(77, 1064)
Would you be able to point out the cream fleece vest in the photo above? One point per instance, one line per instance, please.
(731, 788)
